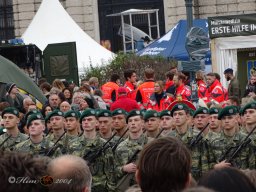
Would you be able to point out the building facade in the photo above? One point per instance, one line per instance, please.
(88, 13)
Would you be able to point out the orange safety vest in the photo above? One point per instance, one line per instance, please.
(131, 91)
(146, 89)
(107, 90)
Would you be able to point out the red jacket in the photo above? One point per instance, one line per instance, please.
(201, 88)
(107, 90)
(182, 92)
(130, 88)
(165, 101)
(125, 103)
(215, 92)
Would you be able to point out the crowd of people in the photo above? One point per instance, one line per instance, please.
(137, 136)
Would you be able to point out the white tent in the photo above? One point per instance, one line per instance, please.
(52, 24)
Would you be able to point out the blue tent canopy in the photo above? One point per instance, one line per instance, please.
(172, 44)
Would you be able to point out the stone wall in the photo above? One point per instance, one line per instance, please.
(175, 9)
(84, 13)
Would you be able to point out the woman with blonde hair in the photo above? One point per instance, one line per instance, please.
(159, 100)
(57, 83)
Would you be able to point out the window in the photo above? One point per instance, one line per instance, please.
(6, 20)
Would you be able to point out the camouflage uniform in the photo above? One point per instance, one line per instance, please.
(102, 168)
(224, 143)
(12, 141)
(64, 143)
(37, 149)
(199, 153)
(125, 152)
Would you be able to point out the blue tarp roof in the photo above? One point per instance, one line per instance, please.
(172, 44)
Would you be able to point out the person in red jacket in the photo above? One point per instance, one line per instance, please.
(109, 89)
(146, 89)
(183, 92)
(214, 90)
(159, 100)
(130, 84)
(202, 87)
(123, 102)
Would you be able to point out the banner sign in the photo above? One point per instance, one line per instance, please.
(232, 25)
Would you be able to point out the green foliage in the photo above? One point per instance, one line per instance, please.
(123, 62)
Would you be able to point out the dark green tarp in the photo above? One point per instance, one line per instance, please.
(11, 73)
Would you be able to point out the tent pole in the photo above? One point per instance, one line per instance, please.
(130, 17)
(149, 26)
(123, 31)
(157, 25)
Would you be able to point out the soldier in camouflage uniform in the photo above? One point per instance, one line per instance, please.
(166, 122)
(201, 120)
(87, 146)
(214, 122)
(119, 122)
(249, 113)
(72, 126)
(12, 136)
(222, 147)
(58, 132)
(199, 151)
(37, 144)
(152, 121)
(127, 151)
(105, 127)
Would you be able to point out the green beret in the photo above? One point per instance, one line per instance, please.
(143, 111)
(251, 105)
(87, 113)
(150, 113)
(164, 113)
(227, 111)
(132, 113)
(119, 112)
(34, 111)
(178, 107)
(55, 112)
(214, 110)
(11, 110)
(104, 113)
(200, 110)
(34, 116)
(72, 113)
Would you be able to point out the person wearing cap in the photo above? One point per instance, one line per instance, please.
(13, 136)
(249, 114)
(105, 126)
(119, 122)
(127, 149)
(102, 168)
(57, 120)
(152, 121)
(233, 87)
(214, 122)
(123, 101)
(130, 83)
(229, 137)
(72, 124)
(166, 122)
(13, 97)
(37, 144)
(200, 159)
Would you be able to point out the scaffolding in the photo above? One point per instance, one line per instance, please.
(130, 13)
